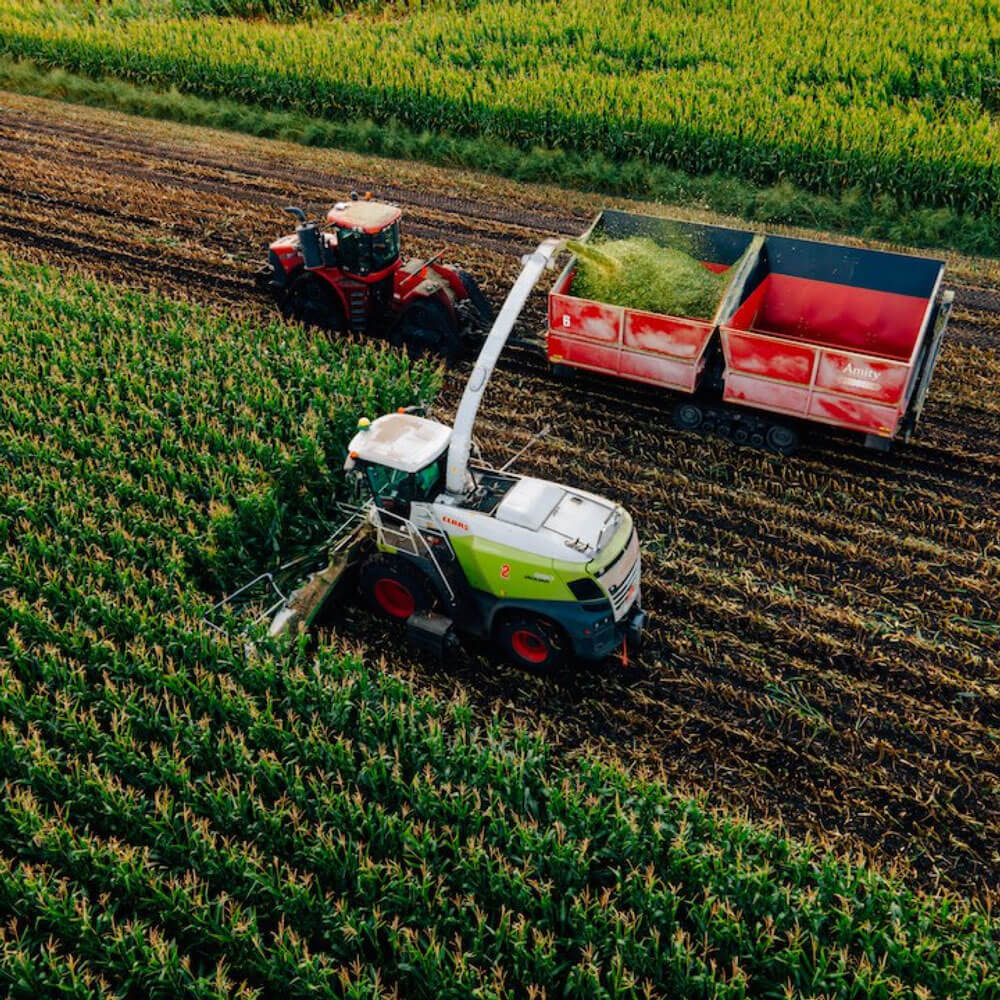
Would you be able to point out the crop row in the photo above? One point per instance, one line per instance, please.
(896, 98)
(178, 819)
(334, 812)
(177, 415)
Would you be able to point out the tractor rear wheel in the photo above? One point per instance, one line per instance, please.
(532, 643)
(481, 305)
(395, 589)
(427, 329)
(311, 301)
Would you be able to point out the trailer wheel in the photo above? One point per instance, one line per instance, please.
(532, 643)
(394, 589)
(688, 416)
(311, 301)
(426, 328)
(781, 439)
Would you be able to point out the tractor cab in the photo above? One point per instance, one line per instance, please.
(345, 273)
(367, 237)
(400, 459)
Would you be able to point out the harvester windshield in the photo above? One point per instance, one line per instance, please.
(395, 484)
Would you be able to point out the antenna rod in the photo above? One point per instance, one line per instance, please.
(534, 437)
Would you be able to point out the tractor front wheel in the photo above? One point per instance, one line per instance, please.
(311, 301)
(532, 643)
(394, 589)
(428, 329)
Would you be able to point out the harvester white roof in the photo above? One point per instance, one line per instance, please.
(401, 441)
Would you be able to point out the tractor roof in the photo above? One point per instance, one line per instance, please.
(369, 216)
(401, 441)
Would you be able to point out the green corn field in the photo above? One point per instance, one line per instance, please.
(898, 98)
(181, 819)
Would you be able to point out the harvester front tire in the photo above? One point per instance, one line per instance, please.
(393, 589)
(532, 643)
(312, 303)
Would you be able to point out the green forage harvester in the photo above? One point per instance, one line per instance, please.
(640, 274)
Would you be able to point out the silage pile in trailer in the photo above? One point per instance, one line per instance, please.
(640, 274)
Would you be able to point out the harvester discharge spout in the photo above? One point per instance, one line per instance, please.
(461, 438)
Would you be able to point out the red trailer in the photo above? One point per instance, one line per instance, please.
(805, 331)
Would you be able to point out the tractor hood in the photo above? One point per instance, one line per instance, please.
(580, 521)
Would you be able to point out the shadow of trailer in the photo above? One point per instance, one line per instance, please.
(805, 332)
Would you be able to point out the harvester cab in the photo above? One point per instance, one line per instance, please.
(347, 274)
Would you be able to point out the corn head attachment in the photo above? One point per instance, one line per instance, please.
(269, 597)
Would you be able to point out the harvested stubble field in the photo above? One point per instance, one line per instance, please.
(825, 633)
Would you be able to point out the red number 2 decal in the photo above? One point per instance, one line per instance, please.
(505, 571)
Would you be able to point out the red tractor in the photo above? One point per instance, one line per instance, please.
(348, 276)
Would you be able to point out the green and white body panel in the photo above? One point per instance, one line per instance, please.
(525, 553)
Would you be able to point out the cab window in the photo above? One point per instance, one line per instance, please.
(390, 485)
(350, 249)
(385, 247)
(394, 490)
(427, 480)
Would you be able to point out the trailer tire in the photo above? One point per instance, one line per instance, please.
(532, 643)
(688, 416)
(394, 589)
(782, 439)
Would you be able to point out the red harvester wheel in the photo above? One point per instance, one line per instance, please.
(395, 589)
(532, 643)
(529, 646)
(394, 598)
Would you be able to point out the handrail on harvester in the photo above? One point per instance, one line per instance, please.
(461, 435)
